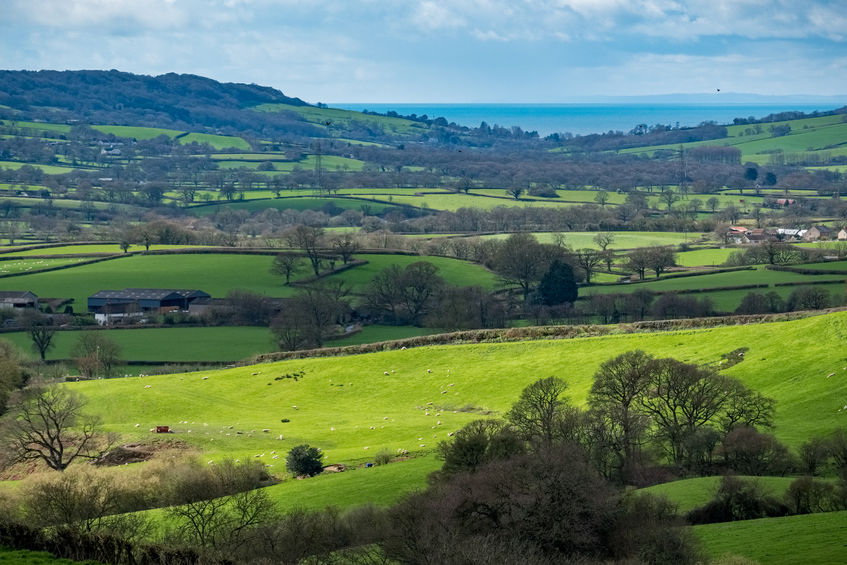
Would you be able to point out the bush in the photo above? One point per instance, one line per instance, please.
(806, 495)
(737, 499)
(382, 458)
(750, 452)
(304, 460)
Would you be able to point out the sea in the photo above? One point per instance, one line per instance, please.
(587, 118)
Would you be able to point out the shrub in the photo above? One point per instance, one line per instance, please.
(737, 499)
(750, 452)
(304, 460)
(382, 458)
(806, 495)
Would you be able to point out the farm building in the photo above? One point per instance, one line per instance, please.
(109, 305)
(18, 299)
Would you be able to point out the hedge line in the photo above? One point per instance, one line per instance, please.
(805, 271)
(807, 283)
(66, 544)
(673, 275)
(503, 335)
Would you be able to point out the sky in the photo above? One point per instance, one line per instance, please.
(450, 51)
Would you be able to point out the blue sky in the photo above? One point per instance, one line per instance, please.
(446, 51)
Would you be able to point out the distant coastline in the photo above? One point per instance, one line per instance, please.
(586, 118)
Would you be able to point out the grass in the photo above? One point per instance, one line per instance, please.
(340, 399)
(25, 557)
(215, 274)
(25, 265)
(454, 271)
(216, 141)
(345, 118)
(703, 257)
(373, 334)
(88, 249)
(813, 538)
(47, 169)
(623, 240)
(135, 132)
(296, 203)
(688, 494)
(206, 344)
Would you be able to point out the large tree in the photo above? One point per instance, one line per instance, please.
(588, 260)
(520, 260)
(96, 354)
(558, 285)
(540, 412)
(285, 264)
(310, 240)
(49, 424)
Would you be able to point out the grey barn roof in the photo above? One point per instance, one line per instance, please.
(6, 294)
(148, 294)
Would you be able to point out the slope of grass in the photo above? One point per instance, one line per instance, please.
(216, 141)
(813, 538)
(25, 265)
(137, 132)
(373, 334)
(297, 203)
(454, 271)
(344, 118)
(622, 240)
(703, 257)
(86, 249)
(690, 493)
(354, 406)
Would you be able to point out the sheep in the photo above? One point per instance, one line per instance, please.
(205, 378)
(829, 375)
(146, 386)
(429, 370)
(385, 373)
(136, 425)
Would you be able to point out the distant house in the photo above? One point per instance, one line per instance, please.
(842, 234)
(815, 233)
(758, 235)
(784, 201)
(17, 299)
(109, 305)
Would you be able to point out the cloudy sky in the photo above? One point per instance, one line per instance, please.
(446, 50)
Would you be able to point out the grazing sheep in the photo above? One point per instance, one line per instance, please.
(429, 370)
(136, 425)
(205, 378)
(146, 386)
(449, 434)
(385, 373)
(829, 375)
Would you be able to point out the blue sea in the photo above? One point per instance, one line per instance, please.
(583, 119)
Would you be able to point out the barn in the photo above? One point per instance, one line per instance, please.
(109, 305)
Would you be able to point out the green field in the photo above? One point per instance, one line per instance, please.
(463, 380)
(26, 265)
(813, 538)
(454, 271)
(24, 557)
(216, 141)
(86, 249)
(623, 239)
(296, 203)
(137, 132)
(373, 334)
(703, 257)
(47, 169)
(688, 494)
(345, 118)
(206, 344)
(215, 274)
(724, 300)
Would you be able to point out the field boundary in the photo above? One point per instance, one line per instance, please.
(503, 335)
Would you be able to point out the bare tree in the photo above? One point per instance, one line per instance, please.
(310, 240)
(41, 333)
(539, 411)
(285, 264)
(345, 245)
(588, 259)
(96, 354)
(604, 239)
(48, 424)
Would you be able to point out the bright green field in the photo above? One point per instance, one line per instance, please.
(212, 344)
(688, 494)
(137, 132)
(297, 203)
(25, 265)
(814, 538)
(47, 169)
(88, 249)
(216, 141)
(345, 118)
(215, 274)
(373, 334)
(486, 376)
(703, 257)
(456, 272)
(623, 239)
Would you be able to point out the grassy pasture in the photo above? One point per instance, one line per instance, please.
(812, 538)
(688, 494)
(208, 344)
(138, 132)
(216, 141)
(319, 116)
(47, 169)
(703, 257)
(215, 274)
(455, 271)
(328, 163)
(623, 239)
(464, 380)
(40, 126)
(376, 333)
(296, 203)
(25, 557)
(86, 249)
(25, 265)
